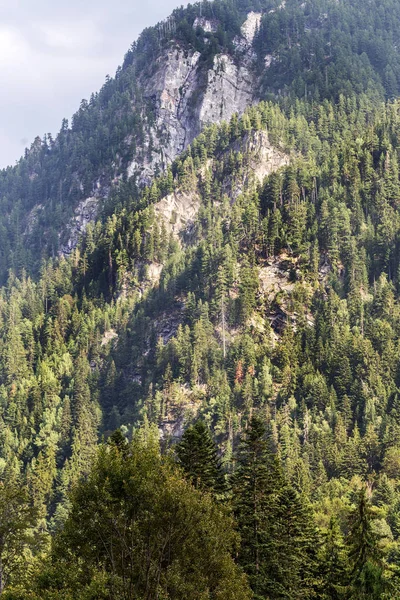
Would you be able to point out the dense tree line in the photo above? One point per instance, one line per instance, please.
(142, 526)
(82, 352)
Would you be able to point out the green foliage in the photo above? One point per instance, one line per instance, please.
(274, 319)
(19, 538)
(366, 557)
(138, 530)
(274, 523)
(315, 50)
(198, 456)
(334, 564)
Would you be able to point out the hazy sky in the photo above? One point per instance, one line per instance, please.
(53, 53)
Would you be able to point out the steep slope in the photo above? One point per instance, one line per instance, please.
(199, 67)
(212, 266)
(166, 92)
(279, 296)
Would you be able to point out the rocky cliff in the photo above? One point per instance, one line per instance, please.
(203, 64)
(188, 95)
(184, 94)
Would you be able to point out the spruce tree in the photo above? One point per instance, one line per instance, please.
(295, 563)
(256, 485)
(279, 539)
(366, 558)
(19, 538)
(334, 564)
(198, 456)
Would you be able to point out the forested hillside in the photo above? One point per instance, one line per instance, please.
(200, 399)
(179, 76)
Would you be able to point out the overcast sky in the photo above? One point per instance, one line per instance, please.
(53, 53)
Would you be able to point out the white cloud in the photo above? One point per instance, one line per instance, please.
(13, 48)
(73, 37)
(53, 54)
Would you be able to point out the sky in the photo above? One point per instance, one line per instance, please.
(53, 53)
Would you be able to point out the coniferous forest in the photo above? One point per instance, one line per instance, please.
(208, 408)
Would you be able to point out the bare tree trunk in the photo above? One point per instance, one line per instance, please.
(2, 578)
(223, 324)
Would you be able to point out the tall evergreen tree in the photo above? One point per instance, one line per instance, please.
(334, 564)
(295, 567)
(198, 456)
(18, 537)
(366, 557)
(256, 485)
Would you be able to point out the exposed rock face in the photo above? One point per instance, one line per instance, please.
(109, 336)
(229, 90)
(268, 60)
(85, 213)
(154, 273)
(178, 211)
(171, 88)
(183, 405)
(207, 25)
(187, 96)
(166, 324)
(264, 158)
(33, 217)
(250, 26)
(274, 278)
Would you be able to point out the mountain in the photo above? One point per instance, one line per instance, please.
(202, 65)
(216, 237)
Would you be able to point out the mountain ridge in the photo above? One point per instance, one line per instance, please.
(50, 186)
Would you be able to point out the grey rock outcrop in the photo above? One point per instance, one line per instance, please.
(185, 95)
(85, 213)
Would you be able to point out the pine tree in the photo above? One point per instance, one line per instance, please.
(334, 564)
(366, 558)
(256, 485)
(17, 521)
(296, 568)
(85, 419)
(198, 456)
(119, 441)
(248, 289)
